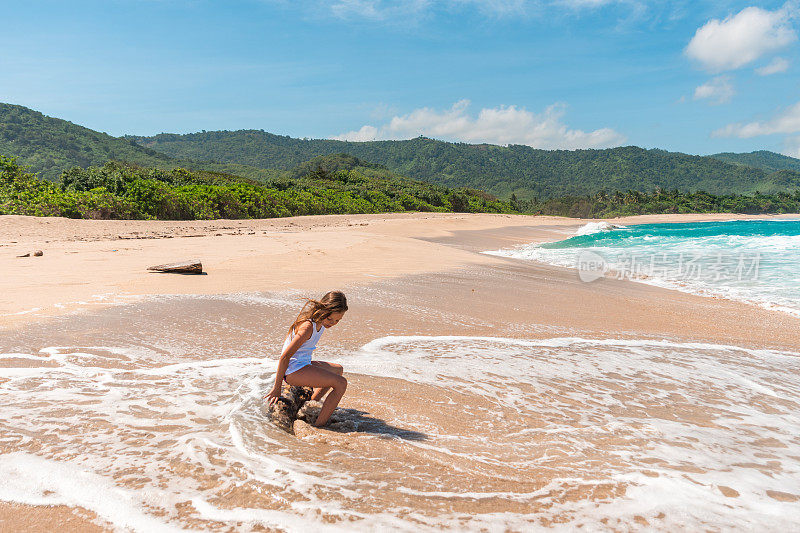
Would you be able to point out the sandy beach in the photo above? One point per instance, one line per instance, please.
(89, 264)
(406, 275)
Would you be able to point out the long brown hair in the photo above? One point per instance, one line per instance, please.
(316, 310)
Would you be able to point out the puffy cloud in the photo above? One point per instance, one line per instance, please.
(776, 66)
(787, 121)
(366, 133)
(740, 39)
(498, 125)
(719, 90)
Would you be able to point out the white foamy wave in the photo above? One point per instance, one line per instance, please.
(33, 480)
(774, 301)
(759, 270)
(596, 227)
(588, 433)
(683, 414)
(534, 252)
(78, 306)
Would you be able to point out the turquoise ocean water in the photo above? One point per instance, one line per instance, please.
(754, 261)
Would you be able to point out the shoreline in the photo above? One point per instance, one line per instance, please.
(661, 282)
(424, 260)
(90, 264)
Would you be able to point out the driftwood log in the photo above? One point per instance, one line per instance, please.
(283, 413)
(184, 267)
(37, 253)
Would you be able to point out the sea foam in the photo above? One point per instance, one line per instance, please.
(748, 261)
(596, 227)
(567, 432)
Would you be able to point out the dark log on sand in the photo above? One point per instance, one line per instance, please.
(185, 267)
(284, 412)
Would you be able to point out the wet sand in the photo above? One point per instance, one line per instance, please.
(404, 275)
(18, 517)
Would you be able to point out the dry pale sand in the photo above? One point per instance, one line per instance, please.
(88, 262)
(91, 264)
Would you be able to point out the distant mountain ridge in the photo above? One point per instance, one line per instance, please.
(763, 159)
(520, 170)
(50, 145)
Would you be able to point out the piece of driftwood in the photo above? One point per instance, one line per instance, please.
(185, 267)
(283, 413)
(37, 253)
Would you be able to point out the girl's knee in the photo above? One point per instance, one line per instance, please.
(339, 369)
(341, 383)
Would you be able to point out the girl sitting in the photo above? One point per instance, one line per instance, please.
(295, 365)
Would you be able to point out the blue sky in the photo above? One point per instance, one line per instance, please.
(696, 77)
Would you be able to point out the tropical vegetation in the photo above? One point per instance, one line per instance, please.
(500, 170)
(335, 184)
(49, 146)
(763, 159)
(619, 204)
(124, 191)
(67, 170)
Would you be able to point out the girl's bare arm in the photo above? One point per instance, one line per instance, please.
(302, 335)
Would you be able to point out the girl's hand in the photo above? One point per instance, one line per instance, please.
(273, 396)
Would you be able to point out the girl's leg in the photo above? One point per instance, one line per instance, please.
(330, 367)
(319, 378)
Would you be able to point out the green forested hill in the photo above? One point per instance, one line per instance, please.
(50, 145)
(763, 159)
(327, 184)
(521, 170)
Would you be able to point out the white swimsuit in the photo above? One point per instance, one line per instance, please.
(302, 357)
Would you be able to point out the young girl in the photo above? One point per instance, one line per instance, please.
(295, 365)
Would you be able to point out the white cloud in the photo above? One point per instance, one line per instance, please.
(791, 147)
(390, 9)
(719, 90)
(577, 4)
(377, 9)
(366, 133)
(497, 125)
(496, 7)
(380, 10)
(787, 121)
(740, 39)
(776, 66)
